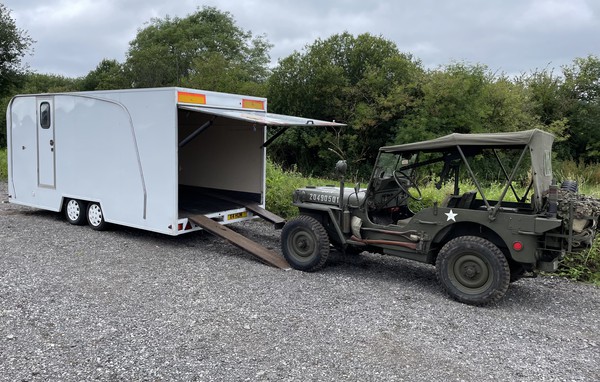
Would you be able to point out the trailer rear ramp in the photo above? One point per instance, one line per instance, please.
(263, 254)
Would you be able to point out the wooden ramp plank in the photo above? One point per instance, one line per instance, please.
(277, 221)
(263, 254)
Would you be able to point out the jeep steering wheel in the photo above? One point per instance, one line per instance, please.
(412, 184)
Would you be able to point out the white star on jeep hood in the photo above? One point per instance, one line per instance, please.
(451, 216)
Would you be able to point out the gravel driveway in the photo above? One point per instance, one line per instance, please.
(128, 305)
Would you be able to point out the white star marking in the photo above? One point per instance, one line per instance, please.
(451, 216)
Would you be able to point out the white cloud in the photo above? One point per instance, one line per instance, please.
(511, 35)
(557, 13)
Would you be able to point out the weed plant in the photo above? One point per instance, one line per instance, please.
(583, 266)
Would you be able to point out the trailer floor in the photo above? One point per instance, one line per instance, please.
(204, 204)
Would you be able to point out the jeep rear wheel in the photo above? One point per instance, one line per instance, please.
(305, 244)
(472, 270)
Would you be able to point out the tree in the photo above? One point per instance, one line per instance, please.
(363, 81)
(48, 83)
(14, 44)
(463, 98)
(581, 89)
(175, 51)
(569, 106)
(109, 74)
(215, 72)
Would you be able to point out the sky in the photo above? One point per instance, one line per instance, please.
(509, 36)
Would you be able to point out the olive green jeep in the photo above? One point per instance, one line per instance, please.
(478, 245)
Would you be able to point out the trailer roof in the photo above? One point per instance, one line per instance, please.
(260, 117)
(486, 140)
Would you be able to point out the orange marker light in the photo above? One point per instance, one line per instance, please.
(253, 104)
(185, 97)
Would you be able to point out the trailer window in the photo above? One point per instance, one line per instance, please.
(45, 115)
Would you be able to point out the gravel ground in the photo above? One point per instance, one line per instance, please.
(128, 305)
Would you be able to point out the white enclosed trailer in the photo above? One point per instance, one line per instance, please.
(143, 158)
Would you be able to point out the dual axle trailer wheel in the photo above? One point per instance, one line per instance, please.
(78, 212)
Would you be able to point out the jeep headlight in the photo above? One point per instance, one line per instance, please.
(297, 196)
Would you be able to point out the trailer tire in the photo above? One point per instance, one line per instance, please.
(75, 211)
(305, 244)
(472, 270)
(95, 217)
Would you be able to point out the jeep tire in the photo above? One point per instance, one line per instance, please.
(305, 243)
(472, 270)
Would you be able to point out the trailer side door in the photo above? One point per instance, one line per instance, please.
(46, 142)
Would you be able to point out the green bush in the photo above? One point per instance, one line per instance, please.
(3, 164)
(281, 185)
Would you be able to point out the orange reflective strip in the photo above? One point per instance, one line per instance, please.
(253, 104)
(184, 97)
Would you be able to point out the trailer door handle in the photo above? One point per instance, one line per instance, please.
(52, 142)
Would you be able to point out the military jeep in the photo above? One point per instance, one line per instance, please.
(478, 245)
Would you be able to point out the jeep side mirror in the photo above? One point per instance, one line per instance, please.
(341, 167)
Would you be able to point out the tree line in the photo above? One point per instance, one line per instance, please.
(383, 95)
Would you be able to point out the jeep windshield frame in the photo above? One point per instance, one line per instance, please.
(537, 142)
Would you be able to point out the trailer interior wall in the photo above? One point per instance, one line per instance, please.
(225, 159)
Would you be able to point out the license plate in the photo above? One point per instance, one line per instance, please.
(237, 215)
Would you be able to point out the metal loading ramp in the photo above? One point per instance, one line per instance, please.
(263, 254)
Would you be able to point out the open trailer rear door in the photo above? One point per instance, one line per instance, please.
(263, 118)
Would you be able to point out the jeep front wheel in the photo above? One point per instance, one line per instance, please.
(472, 270)
(305, 244)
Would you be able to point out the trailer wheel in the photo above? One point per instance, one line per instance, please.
(472, 270)
(75, 211)
(305, 244)
(95, 217)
